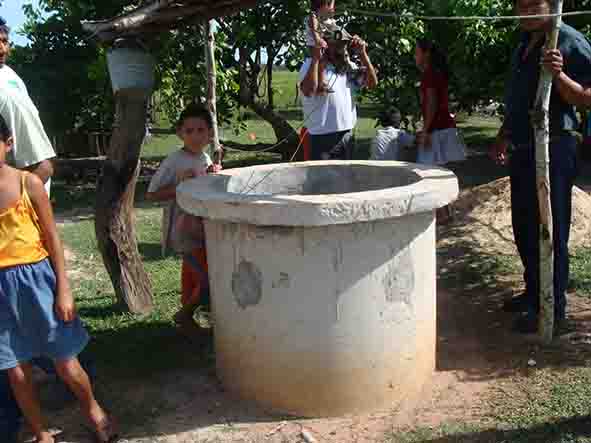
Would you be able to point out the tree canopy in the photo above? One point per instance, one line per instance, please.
(66, 69)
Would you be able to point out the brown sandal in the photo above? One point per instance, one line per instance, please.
(106, 431)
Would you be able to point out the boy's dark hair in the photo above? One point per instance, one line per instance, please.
(4, 27)
(438, 57)
(195, 111)
(315, 5)
(390, 117)
(4, 131)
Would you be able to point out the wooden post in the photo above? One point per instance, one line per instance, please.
(114, 221)
(211, 87)
(541, 123)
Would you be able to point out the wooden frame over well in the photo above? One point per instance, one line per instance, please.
(162, 15)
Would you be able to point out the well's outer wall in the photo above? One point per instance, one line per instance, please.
(322, 321)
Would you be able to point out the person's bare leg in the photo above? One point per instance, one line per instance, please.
(21, 382)
(77, 380)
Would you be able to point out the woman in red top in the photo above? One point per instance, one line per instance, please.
(439, 142)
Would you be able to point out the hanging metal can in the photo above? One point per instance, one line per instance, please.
(130, 65)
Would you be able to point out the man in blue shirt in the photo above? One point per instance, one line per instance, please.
(570, 66)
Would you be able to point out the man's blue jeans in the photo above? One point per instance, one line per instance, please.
(526, 218)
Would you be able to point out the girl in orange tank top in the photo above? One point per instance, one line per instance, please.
(37, 312)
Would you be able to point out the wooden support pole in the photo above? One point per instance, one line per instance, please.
(114, 220)
(211, 88)
(541, 123)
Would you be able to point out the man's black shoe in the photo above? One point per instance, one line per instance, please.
(528, 324)
(516, 304)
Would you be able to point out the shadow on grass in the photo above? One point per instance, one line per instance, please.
(570, 430)
(100, 311)
(137, 349)
(150, 251)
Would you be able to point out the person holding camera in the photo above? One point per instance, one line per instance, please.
(330, 118)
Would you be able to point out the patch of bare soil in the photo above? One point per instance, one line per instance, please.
(476, 353)
(483, 217)
(475, 350)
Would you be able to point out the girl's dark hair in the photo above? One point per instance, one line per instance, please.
(195, 111)
(315, 5)
(4, 27)
(438, 57)
(4, 131)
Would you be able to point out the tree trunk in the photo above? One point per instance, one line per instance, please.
(283, 130)
(211, 88)
(270, 62)
(541, 123)
(114, 224)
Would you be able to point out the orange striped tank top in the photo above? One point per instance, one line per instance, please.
(21, 241)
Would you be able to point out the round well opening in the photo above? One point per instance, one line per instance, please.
(319, 180)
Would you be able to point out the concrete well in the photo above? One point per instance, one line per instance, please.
(323, 280)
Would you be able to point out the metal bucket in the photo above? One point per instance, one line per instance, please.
(130, 67)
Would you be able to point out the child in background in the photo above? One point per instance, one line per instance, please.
(439, 143)
(37, 312)
(182, 231)
(390, 140)
(320, 23)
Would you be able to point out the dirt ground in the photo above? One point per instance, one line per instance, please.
(476, 352)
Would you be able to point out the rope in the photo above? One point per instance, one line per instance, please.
(460, 18)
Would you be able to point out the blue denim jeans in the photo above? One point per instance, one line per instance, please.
(526, 216)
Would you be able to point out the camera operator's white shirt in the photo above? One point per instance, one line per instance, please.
(333, 112)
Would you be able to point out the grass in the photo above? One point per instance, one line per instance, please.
(580, 269)
(137, 338)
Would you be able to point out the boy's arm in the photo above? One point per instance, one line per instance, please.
(163, 184)
(64, 301)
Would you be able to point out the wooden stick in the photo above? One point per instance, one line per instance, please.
(161, 16)
(128, 20)
(541, 123)
(211, 88)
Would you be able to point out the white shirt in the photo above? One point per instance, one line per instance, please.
(31, 143)
(388, 142)
(334, 112)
